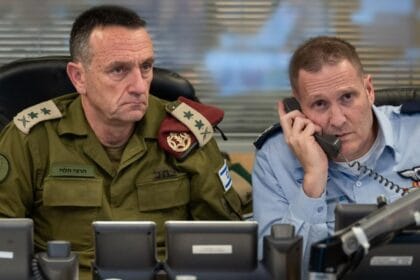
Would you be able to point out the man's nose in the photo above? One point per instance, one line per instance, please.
(138, 83)
(337, 117)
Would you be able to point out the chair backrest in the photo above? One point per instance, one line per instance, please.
(28, 81)
(396, 95)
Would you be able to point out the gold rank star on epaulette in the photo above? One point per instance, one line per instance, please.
(33, 115)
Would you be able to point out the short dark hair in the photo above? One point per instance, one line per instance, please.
(105, 15)
(319, 51)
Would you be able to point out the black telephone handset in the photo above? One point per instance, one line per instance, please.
(329, 143)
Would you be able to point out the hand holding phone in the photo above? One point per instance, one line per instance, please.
(329, 143)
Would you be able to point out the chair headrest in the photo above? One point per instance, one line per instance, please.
(169, 85)
(396, 95)
(29, 81)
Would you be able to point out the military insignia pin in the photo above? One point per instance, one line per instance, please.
(179, 141)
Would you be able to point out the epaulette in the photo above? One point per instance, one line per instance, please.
(411, 107)
(189, 124)
(270, 131)
(33, 115)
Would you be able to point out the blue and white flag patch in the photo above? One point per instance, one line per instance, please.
(224, 177)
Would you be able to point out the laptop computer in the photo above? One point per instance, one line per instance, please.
(16, 248)
(124, 249)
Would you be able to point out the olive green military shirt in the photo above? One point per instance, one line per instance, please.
(59, 175)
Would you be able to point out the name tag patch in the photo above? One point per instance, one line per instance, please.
(72, 170)
(224, 177)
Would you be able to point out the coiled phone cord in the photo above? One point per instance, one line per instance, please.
(37, 273)
(378, 177)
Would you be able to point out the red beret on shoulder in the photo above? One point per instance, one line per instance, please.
(189, 124)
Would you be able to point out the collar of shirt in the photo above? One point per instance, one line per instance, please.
(385, 138)
(382, 114)
(148, 127)
(73, 121)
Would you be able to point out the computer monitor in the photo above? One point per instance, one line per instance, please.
(347, 214)
(16, 248)
(124, 249)
(212, 249)
(397, 259)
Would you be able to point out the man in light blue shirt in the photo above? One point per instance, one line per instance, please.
(294, 181)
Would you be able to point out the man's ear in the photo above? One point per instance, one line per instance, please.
(370, 91)
(76, 73)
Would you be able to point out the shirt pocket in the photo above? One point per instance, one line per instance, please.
(79, 192)
(163, 194)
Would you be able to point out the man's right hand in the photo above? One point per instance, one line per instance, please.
(299, 132)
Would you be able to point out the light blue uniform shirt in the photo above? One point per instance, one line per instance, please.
(277, 179)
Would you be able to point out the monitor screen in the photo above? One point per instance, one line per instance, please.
(347, 214)
(205, 248)
(124, 249)
(16, 248)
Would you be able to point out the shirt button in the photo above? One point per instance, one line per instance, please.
(358, 184)
(320, 208)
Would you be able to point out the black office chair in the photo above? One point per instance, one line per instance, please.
(28, 81)
(396, 95)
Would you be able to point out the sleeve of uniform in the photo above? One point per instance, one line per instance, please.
(277, 198)
(187, 134)
(16, 193)
(212, 194)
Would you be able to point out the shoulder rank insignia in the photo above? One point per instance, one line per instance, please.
(189, 124)
(30, 116)
(273, 129)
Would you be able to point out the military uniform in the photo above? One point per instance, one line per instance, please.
(59, 174)
(277, 177)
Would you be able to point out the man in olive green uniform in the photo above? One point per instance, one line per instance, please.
(105, 153)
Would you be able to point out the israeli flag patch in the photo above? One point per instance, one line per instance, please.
(224, 177)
